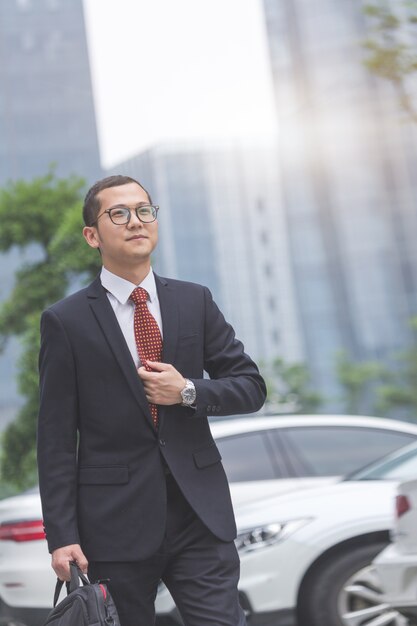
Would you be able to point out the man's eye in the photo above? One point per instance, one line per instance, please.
(118, 212)
(144, 210)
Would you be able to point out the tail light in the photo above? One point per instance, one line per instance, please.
(29, 530)
(402, 505)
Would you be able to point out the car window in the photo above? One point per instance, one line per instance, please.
(333, 450)
(402, 467)
(247, 457)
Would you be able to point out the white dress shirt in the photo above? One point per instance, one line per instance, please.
(118, 292)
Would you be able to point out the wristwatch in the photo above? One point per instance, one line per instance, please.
(188, 393)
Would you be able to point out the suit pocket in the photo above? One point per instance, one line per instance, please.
(207, 456)
(103, 475)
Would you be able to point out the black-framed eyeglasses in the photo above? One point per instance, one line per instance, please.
(146, 213)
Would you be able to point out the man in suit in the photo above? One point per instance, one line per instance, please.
(131, 481)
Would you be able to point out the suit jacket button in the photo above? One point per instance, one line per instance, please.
(162, 442)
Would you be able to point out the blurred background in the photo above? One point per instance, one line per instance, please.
(278, 138)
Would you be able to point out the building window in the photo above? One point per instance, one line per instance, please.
(275, 337)
(23, 5)
(28, 42)
(52, 5)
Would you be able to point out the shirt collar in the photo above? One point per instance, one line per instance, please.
(121, 288)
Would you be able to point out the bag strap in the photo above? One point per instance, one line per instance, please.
(76, 576)
(73, 584)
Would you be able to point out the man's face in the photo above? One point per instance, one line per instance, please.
(122, 245)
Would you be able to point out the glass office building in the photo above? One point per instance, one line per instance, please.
(221, 225)
(347, 161)
(46, 116)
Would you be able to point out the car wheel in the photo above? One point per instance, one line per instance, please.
(344, 591)
(362, 601)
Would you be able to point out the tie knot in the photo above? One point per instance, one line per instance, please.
(139, 295)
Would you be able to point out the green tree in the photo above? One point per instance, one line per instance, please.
(358, 381)
(392, 54)
(400, 392)
(289, 388)
(44, 216)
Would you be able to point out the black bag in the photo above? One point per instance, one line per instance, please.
(86, 605)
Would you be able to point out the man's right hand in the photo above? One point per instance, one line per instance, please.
(61, 558)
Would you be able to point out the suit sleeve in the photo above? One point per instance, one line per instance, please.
(57, 434)
(235, 384)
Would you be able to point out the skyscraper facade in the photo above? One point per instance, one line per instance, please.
(346, 163)
(221, 225)
(46, 116)
(46, 106)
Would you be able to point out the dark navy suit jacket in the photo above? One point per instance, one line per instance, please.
(101, 475)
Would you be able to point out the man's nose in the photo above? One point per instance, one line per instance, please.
(134, 220)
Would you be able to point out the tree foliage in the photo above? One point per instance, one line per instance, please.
(400, 391)
(289, 388)
(359, 382)
(391, 47)
(44, 217)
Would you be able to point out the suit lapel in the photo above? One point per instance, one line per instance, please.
(168, 303)
(107, 320)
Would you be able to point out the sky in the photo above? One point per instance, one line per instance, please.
(166, 71)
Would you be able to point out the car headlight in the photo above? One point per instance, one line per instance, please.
(267, 535)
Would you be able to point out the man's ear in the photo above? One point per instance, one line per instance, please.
(91, 236)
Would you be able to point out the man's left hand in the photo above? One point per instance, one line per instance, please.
(163, 385)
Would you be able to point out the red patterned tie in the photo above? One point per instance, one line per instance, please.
(147, 336)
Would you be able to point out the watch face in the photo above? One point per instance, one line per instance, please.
(188, 395)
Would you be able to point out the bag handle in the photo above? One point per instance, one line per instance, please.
(73, 584)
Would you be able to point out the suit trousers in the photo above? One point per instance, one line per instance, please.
(200, 571)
